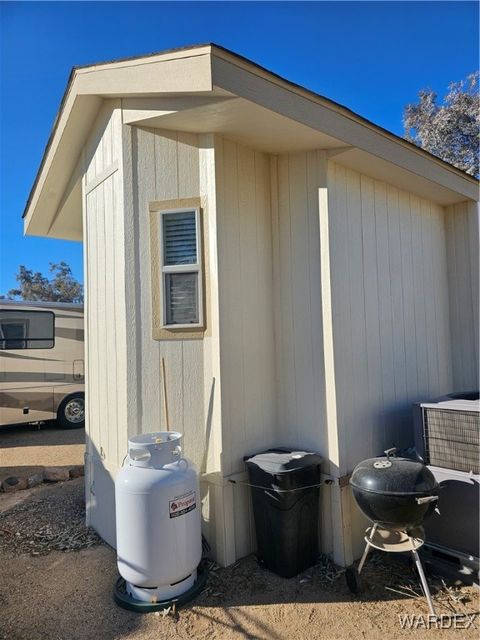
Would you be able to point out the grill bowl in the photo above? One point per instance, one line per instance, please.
(393, 512)
(396, 493)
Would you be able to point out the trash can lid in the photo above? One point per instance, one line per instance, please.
(284, 460)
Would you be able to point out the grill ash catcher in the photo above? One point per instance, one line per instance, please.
(397, 495)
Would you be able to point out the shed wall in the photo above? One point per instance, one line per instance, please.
(463, 280)
(256, 378)
(298, 313)
(165, 166)
(299, 375)
(125, 169)
(390, 313)
(106, 381)
(246, 318)
(246, 302)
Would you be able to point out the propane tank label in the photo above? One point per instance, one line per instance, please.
(181, 505)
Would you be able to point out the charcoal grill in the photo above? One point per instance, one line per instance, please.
(397, 495)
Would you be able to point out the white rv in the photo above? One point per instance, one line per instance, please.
(42, 363)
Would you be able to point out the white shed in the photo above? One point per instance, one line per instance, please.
(328, 276)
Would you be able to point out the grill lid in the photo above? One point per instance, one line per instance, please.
(394, 476)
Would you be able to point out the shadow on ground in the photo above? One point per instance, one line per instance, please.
(43, 434)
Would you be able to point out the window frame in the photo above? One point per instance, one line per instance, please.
(26, 324)
(196, 267)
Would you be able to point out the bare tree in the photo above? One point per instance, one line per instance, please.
(34, 286)
(451, 130)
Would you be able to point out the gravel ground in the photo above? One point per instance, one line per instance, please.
(51, 519)
(47, 594)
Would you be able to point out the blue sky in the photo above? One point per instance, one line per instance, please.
(370, 56)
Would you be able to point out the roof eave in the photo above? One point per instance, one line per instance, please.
(246, 79)
(86, 86)
(274, 92)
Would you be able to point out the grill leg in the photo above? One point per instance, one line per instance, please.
(364, 557)
(424, 582)
(367, 548)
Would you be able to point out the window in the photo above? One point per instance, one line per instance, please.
(181, 268)
(26, 329)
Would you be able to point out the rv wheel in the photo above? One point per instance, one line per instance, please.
(71, 412)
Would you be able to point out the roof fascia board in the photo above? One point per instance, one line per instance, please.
(178, 75)
(127, 76)
(83, 113)
(253, 83)
(73, 183)
(159, 56)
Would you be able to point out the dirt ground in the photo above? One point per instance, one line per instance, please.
(47, 594)
(26, 449)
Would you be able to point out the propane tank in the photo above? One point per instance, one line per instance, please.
(159, 540)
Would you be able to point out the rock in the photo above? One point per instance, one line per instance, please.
(56, 474)
(14, 484)
(77, 471)
(36, 478)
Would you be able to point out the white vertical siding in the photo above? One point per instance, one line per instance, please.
(246, 304)
(390, 313)
(106, 422)
(462, 224)
(300, 384)
(124, 376)
(217, 493)
(104, 291)
(245, 283)
(165, 167)
(297, 293)
(391, 326)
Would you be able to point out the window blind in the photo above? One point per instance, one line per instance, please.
(180, 238)
(181, 268)
(182, 298)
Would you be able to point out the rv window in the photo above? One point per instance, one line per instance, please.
(26, 329)
(181, 268)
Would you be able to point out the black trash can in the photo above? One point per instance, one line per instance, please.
(285, 495)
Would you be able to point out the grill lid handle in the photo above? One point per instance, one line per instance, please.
(426, 499)
(390, 452)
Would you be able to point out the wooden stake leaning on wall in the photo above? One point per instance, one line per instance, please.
(165, 401)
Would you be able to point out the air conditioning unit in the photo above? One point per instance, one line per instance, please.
(447, 431)
(447, 439)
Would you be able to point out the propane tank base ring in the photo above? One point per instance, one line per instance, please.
(124, 600)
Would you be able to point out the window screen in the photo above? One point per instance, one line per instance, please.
(26, 329)
(181, 268)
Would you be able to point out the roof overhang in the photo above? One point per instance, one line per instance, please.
(209, 89)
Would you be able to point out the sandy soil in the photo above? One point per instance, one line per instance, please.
(26, 449)
(68, 596)
(46, 594)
